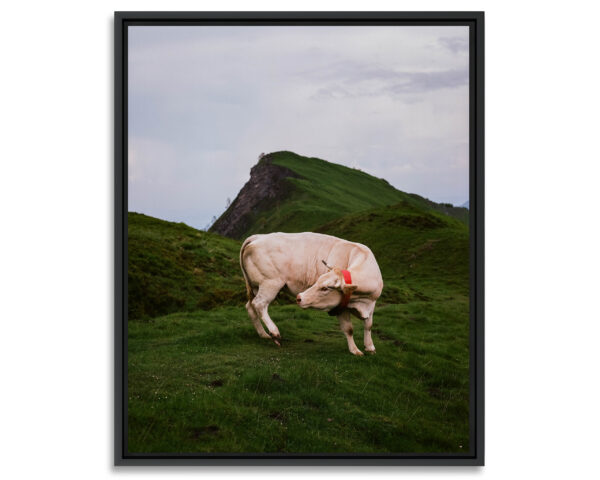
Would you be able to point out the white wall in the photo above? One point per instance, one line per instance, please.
(542, 162)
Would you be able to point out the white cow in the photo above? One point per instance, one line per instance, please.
(301, 263)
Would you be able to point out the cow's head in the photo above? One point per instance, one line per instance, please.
(327, 292)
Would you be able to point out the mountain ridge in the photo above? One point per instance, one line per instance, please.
(289, 192)
(266, 185)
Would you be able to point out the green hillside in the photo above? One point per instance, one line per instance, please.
(322, 191)
(419, 252)
(176, 268)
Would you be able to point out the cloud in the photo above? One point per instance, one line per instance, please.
(369, 81)
(419, 82)
(455, 44)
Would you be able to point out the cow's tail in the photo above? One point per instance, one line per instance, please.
(249, 291)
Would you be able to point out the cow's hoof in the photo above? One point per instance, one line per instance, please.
(358, 353)
(370, 352)
(277, 342)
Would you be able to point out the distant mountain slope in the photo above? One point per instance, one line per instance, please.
(460, 213)
(174, 268)
(291, 193)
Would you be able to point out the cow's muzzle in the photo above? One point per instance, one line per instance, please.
(298, 299)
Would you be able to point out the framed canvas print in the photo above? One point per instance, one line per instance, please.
(299, 238)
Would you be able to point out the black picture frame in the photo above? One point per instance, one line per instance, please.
(475, 22)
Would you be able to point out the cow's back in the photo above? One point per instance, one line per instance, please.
(294, 243)
(294, 258)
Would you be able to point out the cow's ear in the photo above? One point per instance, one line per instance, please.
(348, 288)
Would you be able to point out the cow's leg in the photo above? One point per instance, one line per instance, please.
(346, 326)
(256, 321)
(369, 347)
(266, 294)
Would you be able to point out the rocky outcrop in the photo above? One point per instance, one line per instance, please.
(265, 189)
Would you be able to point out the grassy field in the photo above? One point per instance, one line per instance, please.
(201, 380)
(205, 382)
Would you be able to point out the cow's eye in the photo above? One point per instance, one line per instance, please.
(324, 289)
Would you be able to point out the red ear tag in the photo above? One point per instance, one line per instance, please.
(346, 298)
(348, 280)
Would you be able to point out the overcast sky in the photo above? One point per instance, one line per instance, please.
(205, 101)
